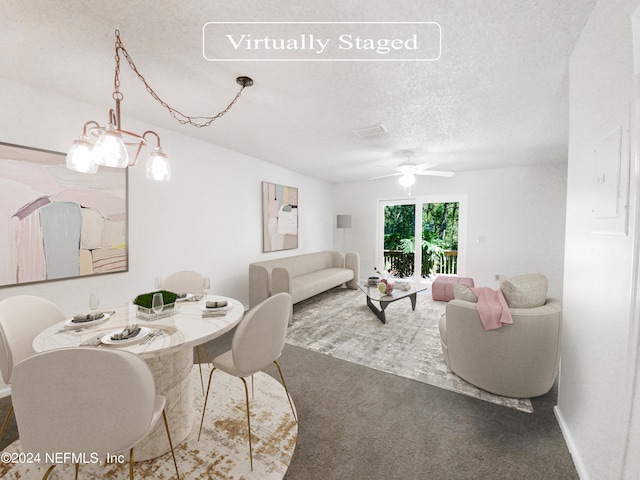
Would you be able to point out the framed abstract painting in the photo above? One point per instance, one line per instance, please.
(279, 217)
(56, 223)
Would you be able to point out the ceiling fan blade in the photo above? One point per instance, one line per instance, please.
(426, 166)
(435, 173)
(384, 176)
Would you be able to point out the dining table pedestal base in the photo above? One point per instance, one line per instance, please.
(172, 375)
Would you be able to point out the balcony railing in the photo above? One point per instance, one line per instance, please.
(403, 263)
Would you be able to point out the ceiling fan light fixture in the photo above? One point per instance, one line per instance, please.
(407, 179)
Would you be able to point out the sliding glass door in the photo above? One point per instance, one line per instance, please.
(423, 236)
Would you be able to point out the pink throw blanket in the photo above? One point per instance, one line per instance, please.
(492, 308)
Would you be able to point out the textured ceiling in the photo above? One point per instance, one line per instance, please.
(497, 96)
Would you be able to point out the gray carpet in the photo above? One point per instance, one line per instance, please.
(360, 423)
(340, 324)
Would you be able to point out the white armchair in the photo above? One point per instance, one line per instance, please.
(519, 360)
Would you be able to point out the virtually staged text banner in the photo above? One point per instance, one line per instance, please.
(306, 41)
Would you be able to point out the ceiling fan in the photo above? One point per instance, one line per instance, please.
(408, 169)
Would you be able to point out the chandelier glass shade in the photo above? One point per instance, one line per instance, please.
(79, 156)
(111, 147)
(158, 167)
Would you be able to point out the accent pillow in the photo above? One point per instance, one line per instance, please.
(460, 292)
(524, 291)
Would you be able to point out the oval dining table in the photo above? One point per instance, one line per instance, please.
(169, 355)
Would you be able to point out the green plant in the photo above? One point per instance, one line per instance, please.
(146, 299)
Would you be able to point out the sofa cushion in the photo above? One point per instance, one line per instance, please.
(310, 284)
(524, 291)
(462, 292)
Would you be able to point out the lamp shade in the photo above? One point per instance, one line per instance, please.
(344, 221)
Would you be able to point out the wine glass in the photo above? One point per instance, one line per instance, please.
(94, 303)
(206, 286)
(157, 303)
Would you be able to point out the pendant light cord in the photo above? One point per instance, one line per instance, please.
(180, 117)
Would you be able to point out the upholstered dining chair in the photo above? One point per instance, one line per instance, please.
(187, 281)
(257, 342)
(22, 317)
(86, 402)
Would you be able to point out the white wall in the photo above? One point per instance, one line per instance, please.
(599, 357)
(207, 218)
(515, 219)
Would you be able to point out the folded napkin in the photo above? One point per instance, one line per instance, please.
(87, 317)
(182, 295)
(128, 332)
(218, 304)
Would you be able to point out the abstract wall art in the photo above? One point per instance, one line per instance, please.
(279, 217)
(56, 223)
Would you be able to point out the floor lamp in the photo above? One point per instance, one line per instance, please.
(344, 221)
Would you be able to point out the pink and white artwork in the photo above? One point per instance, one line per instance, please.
(279, 217)
(56, 223)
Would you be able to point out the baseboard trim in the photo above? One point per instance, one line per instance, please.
(571, 445)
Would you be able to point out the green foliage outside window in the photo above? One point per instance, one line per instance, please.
(439, 233)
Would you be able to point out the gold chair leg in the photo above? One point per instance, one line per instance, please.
(206, 397)
(173, 453)
(197, 347)
(77, 469)
(246, 393)
(6, 420)
(131, 464)
(286, 391)
(46, 474)
(206, 354)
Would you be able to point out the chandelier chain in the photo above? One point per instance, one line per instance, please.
(179, 116)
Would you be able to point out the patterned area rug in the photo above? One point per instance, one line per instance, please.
(340, 324)
(223, 449)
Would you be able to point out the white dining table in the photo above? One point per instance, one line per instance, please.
(170, 357)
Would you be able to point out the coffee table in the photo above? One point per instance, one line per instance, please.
(374, 295)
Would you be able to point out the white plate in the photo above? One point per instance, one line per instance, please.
(71, 325)
(185, 299)
(144, 331)
(228, 306)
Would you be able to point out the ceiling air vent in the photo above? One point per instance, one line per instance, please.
(370, 131)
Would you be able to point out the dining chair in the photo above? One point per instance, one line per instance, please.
(22, 317)
(257, 342)
(85, 402)
(187, 281)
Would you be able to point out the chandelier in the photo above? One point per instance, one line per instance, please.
(112, 143)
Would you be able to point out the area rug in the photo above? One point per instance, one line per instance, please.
(221, 453)
(340, 324)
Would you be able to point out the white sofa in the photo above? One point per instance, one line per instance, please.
(302, 276)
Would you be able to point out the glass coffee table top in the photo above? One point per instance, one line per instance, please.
(373, 294)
